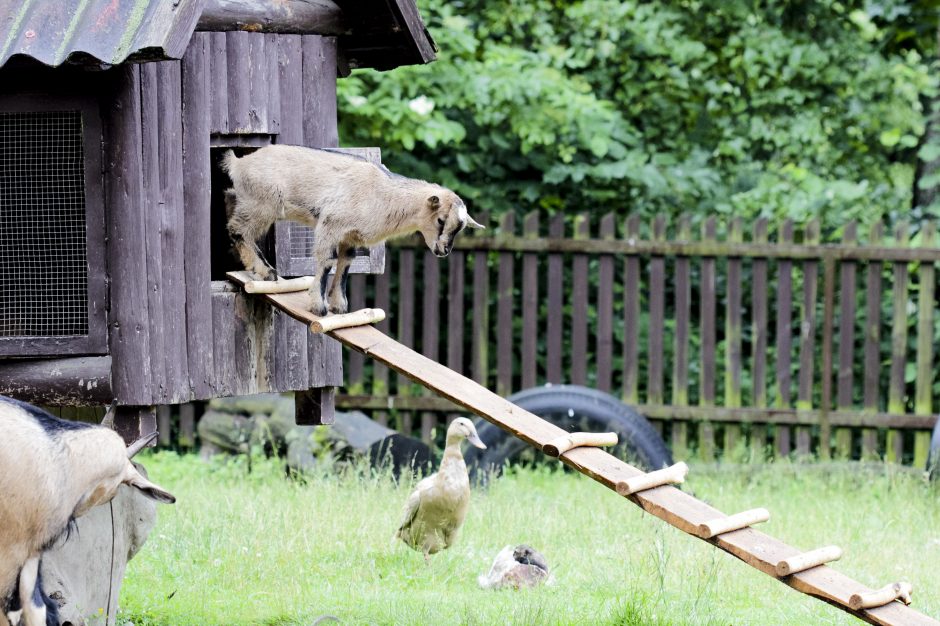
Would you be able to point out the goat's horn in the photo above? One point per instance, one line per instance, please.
(140, 444)
(108, 420)
(474, 224)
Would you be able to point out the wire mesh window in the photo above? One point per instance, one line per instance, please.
(43, 249)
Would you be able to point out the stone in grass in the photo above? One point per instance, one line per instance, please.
(83, 574)
(521, 567)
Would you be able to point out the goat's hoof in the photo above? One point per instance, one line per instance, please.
(335, 308)
(319, 311)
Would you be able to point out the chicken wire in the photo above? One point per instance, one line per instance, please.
(43, 263)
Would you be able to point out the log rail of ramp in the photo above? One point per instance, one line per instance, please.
(676, 507)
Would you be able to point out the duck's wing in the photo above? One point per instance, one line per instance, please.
(414, 503)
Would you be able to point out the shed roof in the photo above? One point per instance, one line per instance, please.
(99, 31)
(385, 34)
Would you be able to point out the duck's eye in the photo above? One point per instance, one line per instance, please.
(440, 221)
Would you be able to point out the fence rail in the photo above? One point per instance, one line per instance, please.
(738, 336)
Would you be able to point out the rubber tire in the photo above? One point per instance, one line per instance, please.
(573, 408)
(933, 459)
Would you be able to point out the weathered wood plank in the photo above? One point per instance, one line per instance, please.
(872, 373)
(706, 435)
(605, 308)
(579, 304)
(758, 440)
(355, 363)
(290, 85)
(152, 205)
(238, 58)
(172, 230)
(129, 330)
(315, 407)
(896, 393)
(657, 287)
(806, 376)
(530, 305)
(187, 431)
(196, 228)
(319, 80)
(223, 356)
(504, 312)
(668, 503)
(923, 404)
(680, 371)
(845, 384)
(825, 429)
(71, 381)
(456, 310)
(555, 329)
(317, 17)
(631, 316)
(733, 338)
(784, 337)
(480, 357)
(272, 79)
(218, 78)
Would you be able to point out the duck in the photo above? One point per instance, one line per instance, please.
(435, 510)
(517, 568)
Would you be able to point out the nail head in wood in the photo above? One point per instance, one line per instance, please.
(668, 476)
(722, 525)
(889, 593)
(558, 446)
(345, 320)
(806, 560)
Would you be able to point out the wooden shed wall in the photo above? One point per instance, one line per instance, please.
(203, 339)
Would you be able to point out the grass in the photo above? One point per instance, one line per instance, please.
(258, 549)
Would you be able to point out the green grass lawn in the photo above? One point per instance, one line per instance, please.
(242, 548)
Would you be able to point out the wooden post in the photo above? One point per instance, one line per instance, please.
(784, 336)
(315, 407)
(872, 374)
(706, 433)
(631, 316)
(555, 286)
(733, 325)
(844, 377)
(806, 375)
(480, 356)
(657, 297)
(758, 442)
(605, 308)
(530, 304)
(923, 404)
(504, 312)
(579, 304)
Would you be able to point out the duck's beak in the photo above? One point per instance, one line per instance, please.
(475, 440)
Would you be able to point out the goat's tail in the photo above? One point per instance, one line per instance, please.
(228, 161)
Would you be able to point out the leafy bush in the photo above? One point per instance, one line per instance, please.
(776, 109)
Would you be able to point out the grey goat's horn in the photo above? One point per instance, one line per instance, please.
(472, 223)
(140, 444)
(108, 420)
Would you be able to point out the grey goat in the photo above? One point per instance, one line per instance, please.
(349, 201)
(51, 472)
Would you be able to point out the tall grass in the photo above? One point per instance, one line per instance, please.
(257, 548)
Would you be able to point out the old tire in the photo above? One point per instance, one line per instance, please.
(573, 408)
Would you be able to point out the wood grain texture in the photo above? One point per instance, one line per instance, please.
(896, 392)
(316, 17)
(504, 313)
(530, 305)
(872, 372)
(631, 316)
(319, 98)
(579, 304)
(604, 337)
(657, 297)
(844, 374)
(480, 350)
(555, 286)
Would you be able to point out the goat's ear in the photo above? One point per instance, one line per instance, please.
(153, 491)
(434, 203)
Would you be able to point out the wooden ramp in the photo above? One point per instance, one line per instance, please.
(676, 507)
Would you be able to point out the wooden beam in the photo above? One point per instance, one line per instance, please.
(79, 381)
(305, 17)
(315, 407)
(675, 507)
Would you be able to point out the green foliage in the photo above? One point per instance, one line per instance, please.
(778, 109)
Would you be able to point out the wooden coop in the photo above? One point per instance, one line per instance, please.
(113, 248)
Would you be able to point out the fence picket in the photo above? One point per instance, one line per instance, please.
(504, 312)
(657, 269)
(706, 432)
(406, 320)
(555, 330)
(631, 317)
(680, 372)
(845, 383)
(924, 379)
(355, 362)
(579, 305)
(379, 371)
(733, 337)
(804, 398)
(530, 304)
(430, 325)
(782, 439)
(481, 312)
(894, 445)
(605, 308)
(759, 340)
(872, 373)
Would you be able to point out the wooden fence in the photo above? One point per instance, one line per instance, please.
(736, 340)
